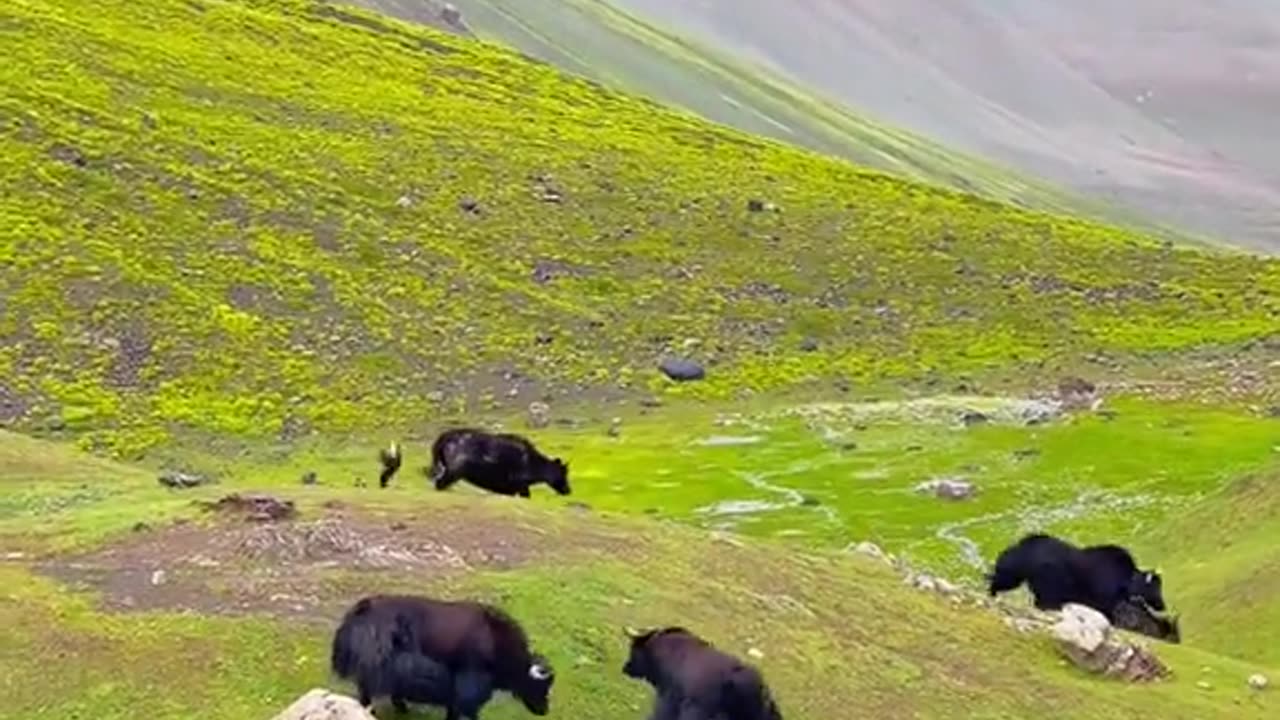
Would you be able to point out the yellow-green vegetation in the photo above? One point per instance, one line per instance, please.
(266, 218)
(841, 635)
(244, 237)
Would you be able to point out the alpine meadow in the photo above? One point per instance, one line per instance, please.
(802, 404)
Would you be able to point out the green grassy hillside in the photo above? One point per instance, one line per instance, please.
(251, 238)
(837, 634)
(268, 218)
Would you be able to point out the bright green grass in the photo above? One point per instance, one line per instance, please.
(841, 635)
(234, 257)
(1226, 549)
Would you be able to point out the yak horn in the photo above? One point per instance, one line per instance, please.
(632, 632)
(538, 672)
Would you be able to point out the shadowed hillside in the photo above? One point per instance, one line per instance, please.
(595, 39)
(1167, 113)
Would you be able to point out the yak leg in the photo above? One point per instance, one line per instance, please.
(471, 690)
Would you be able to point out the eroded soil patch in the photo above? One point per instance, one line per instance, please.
(290, 567)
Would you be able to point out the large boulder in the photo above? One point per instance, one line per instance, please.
(1085, 637)
(320, 704)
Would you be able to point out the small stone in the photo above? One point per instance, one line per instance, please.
(539, 415)
(14, 555)
(404, 201)
(948, 488)
(469, 205)
(1259, 681)
(157, 577)
(615, 427)
(969, 418)
(682, 370)
(809, 344)
(755, 653)
(1204, 685)
(871, 550)
(755, 205)
(182, 480)
(309, 477)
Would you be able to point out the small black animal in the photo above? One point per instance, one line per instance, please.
(1137, 617)
(1100, 576)
(450, 653)
(390, 458)
(502, 463)
(693, 680)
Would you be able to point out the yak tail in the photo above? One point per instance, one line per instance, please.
(365, 642)
(345, 653)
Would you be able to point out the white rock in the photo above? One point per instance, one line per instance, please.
(870, 549)
(948, 488)
(1258, 681)
(320, 704)
(755, 653)
(157, 577)
(946, 587)
(1082, 627)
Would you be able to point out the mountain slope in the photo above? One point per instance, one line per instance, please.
(299, 220)
(1167, 113)
(593, 38)
(240, 619)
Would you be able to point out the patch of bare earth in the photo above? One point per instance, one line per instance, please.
(296, 567)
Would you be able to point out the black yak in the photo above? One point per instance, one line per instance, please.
(693, 680)
(454, 654)
(390, 458)
(1101, 576)
(502, 463)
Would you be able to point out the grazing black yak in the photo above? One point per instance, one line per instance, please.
(695, 681)
(390, 459)
(1101, 576)
(503, 463)
(458, 654)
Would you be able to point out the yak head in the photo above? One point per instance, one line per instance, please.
(534, 688)
(1146, 586)
(556, 475)
(643, 661)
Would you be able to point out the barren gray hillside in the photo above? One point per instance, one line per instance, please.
(1166, 107)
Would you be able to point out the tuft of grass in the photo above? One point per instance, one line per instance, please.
(248, 219)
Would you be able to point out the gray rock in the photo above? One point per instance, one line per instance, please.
(681, 369)
(948, 488)
(809, 344)
(181, 480)
(1085, 637)
(320, 704)
(615, 427)
(871, 550)
(539, 415)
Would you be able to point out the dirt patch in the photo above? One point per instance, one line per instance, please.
(288, 567)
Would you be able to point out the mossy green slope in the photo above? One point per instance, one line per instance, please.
(841, 636)
(244, 218)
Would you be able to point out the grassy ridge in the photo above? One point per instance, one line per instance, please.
(248, 218)
(836, 631)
